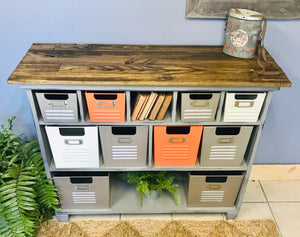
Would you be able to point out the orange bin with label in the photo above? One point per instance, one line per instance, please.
(106, 106)
(176, 145)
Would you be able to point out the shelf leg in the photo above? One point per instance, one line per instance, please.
(62, 217)
(231, 215)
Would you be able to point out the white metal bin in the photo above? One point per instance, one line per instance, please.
(124, 146)
(79, 191)
(199, 107)
(74, 147)
(243, 107)
(58, 106)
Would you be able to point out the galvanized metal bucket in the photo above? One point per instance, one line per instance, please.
(242, 33)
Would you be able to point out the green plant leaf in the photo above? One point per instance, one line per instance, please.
(26, 196)
(5, 230)
(149, 181)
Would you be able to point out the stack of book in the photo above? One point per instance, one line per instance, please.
(151, 106)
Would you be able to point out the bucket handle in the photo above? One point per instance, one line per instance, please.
(262, 56)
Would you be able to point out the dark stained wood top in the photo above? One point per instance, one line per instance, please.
(96, 64)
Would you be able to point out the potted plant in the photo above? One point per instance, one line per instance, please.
(148, 182)
(26, 196)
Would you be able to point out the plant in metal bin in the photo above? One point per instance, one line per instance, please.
(149, 181)
(26, 196)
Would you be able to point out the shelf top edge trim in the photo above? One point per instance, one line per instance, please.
(137, 88)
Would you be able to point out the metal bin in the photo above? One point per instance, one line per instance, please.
(124, 146)
(243, 107)
(176, 145)
(199, 107)
(58, 106)
(83, 192)
(224, 146)
(106, 106)
(74, 147)
(213, 189)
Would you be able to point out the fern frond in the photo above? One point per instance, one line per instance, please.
(9, 146)
(18, 198)
(5, 230)
(47, 198)
(143, 189)
(46, 192)
(11, 211)
(26, 195)
(30, 150)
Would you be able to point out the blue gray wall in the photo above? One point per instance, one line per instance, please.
(143, 22)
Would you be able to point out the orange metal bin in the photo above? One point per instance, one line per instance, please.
(176, 145)
(106, 106)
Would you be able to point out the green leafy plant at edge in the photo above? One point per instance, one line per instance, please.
(26, 196)
(149, 181)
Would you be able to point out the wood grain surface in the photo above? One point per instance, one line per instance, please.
(153, 65)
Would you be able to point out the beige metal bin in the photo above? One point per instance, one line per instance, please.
(199, 107)
(224, 145)
(213, 189)
(79, 191)
(124, 146)
(58, 106)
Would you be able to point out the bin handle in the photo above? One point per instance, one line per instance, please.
(214, 186)
(73, 141)
(124, 140)
(200, 103)
(81, 181)
(57, 104)
(226, 140)
(177, 140)
(244, 104)
(106, 104)
(81, 188)
(49, 96)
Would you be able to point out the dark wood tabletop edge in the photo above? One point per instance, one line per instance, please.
(116, 83)
(12, 79)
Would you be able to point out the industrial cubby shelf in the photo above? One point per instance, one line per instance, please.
(239, 97)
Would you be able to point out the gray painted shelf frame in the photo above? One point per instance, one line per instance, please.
(123, 196)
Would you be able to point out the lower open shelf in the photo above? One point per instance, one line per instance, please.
(125, 200)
